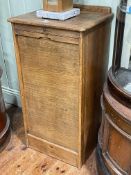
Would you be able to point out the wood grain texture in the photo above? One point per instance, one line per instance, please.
(51, 85)
(59, 6)
(84, 21)
(116, 141)
(53, 150)
(17, 159)
(95, 65)
(46, 31)
(62, 73)
(21, 85)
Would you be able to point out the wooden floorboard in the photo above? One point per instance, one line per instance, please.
(16, 159)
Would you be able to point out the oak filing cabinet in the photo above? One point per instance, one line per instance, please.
(62, 67)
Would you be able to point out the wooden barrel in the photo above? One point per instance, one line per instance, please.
(4, 121)
(114, 147)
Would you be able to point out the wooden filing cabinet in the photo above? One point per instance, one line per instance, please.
(62, 66)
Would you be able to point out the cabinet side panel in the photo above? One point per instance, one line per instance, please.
(50, 72)
(96, 51)
(19, 69)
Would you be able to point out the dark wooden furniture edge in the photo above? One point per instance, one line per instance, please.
(117, 91)
(5, 135)
(101, 167)
(107, 101)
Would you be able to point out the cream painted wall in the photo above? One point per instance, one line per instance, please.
(111, 3)
(10, 8)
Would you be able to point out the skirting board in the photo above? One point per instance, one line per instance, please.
(11, 96)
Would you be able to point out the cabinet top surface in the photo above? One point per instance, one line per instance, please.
(90, 17)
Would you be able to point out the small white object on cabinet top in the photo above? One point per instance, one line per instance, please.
(58, 15)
